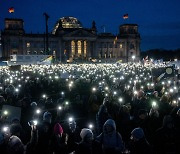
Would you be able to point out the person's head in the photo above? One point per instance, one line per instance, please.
(153, 113)
(137, 134)
(142, 114)
(15, 146)
(109, 126)
(86, 135)
(15, 121)
(47, 117)
(72, 126)
(140, 94)
(155, 93)
(58, 130)
(33, 104)
(15, 129)
(125, 109)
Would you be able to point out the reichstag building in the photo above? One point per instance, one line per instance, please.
(70, 41)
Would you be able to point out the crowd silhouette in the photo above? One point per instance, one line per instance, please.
(88, 109)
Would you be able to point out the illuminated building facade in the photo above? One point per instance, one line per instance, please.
(70, 41)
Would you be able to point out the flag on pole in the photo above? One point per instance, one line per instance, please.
(11, 10)
(125, 16)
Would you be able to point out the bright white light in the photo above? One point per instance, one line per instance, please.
(56, 77)
(5, 112)
(120, 99)
(171, 90)
(154, 104)
(35, 122)
(62, 93)
(5, 129)
(16, 89)
(90, 126)
(152, 84)
(93, 89)
(71, 119)
(135, 92)
(174, 102)
(106, 88)
(59, 107)
(133, 57)
(38, 111)
(163, 83)
(67, 103)
(115, 93)
(169, 81)
(106, 95)
(44, 96)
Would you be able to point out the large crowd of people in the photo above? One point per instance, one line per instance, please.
(89, 108)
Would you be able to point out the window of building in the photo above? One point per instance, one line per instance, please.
(28, 45)
(73, 48)
(79, 48)
(121, 46)
(85, 49)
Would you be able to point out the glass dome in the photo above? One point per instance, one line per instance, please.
(67, 22)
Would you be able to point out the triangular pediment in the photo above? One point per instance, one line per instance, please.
(79, 33)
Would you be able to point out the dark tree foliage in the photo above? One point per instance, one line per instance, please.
(161, 54)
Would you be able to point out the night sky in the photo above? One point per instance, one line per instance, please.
(158, 20)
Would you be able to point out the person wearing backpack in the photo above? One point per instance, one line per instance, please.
(110, 139)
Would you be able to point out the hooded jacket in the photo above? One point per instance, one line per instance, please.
(111, 140)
